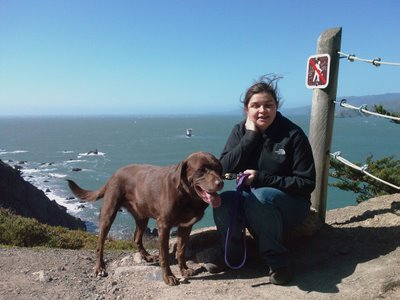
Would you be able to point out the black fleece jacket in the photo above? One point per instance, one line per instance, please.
(282, 156)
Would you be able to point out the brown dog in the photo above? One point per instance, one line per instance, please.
(175, 195)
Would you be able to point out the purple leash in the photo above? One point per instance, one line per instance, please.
(237, 199)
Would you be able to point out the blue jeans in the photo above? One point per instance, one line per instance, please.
(267, 212)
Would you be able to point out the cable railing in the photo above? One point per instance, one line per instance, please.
(364, 109)
(363, 169)
(376, 61)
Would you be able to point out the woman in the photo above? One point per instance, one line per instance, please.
(277, 159)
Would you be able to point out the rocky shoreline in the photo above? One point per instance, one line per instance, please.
(22, 198)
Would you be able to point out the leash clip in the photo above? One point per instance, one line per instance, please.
(239, 177)
(230, 176)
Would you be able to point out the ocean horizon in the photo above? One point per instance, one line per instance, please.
(89, 149)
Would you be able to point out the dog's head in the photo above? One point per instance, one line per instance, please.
(202, 172)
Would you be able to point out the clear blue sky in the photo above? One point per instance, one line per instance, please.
(187, 56)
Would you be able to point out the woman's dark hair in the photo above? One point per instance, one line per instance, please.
(265, 84)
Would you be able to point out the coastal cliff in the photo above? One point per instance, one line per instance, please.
(22, 198)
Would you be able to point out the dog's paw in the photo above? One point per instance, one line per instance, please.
(171, 280)
(100, 273)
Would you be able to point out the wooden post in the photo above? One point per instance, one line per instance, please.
(322, 116)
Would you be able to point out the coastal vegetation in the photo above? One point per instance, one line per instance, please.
(365, 187)
(381, 110)
(28, 232)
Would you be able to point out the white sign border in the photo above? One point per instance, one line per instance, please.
(328, 71)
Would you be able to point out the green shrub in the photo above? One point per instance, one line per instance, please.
(18, 231)
(27, 232)
(365, 187)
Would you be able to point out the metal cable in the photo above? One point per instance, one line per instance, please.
(362, 169)
(376, 61)
(363, 109)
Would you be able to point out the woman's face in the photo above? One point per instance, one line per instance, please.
(261, 109)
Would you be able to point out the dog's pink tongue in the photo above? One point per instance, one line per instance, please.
(213, 199)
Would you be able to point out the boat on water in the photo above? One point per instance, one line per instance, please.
(189, 132)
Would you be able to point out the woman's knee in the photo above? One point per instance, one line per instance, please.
(292, 210)
(266, 195)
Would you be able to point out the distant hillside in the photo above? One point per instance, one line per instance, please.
(390, 101)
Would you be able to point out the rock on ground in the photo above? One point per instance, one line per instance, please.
(355, 255)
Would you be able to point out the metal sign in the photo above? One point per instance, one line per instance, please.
(318, 67)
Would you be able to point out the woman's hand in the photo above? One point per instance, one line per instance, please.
(250, 124)
(251, 174)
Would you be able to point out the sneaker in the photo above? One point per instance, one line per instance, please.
(281, 276)
(216, 266)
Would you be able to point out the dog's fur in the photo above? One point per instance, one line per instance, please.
(175, 195)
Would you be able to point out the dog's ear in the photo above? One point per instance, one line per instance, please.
(181, 172)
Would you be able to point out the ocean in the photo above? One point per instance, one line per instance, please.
(53, 149)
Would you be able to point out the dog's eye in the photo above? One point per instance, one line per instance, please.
(202, 170)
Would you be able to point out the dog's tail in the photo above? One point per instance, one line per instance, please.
(85, 194)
